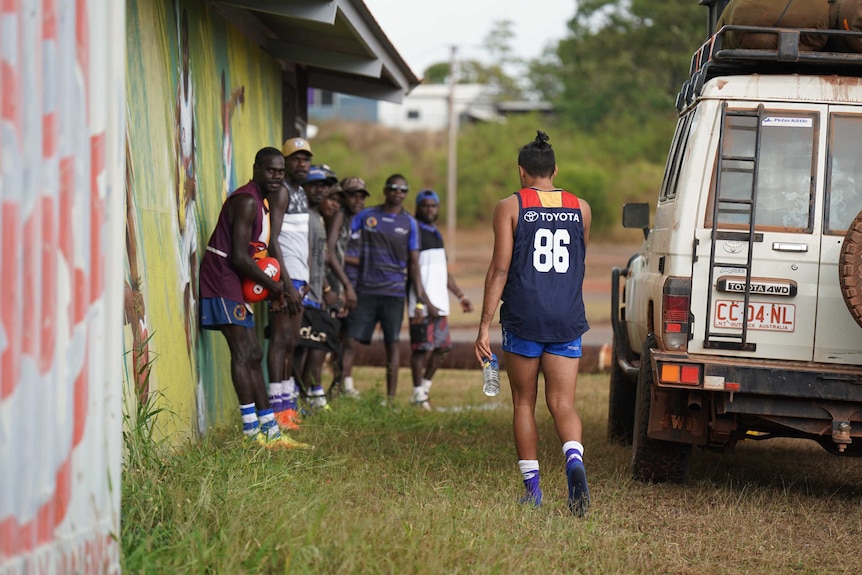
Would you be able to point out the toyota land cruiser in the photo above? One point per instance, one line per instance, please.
(729, 322)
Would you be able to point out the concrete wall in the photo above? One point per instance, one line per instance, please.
(61, 221)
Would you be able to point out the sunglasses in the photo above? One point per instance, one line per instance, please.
(396, 187)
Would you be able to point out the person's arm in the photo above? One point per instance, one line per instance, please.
(466, 304)
(587, 214)
(333, 230)
(242, 209)
(505, 216)
(278, 204)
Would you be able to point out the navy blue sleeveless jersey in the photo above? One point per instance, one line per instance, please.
(543, 298)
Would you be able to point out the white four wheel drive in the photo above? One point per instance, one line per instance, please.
(737, 319)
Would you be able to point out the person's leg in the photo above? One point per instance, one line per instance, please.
(524, 380)
(312, 377)
(523, 360)
(284, 332)
(418, 360)
(247, 376)
(348, 356)
(441, 344)
(434, 362)
(561, 377)
(360, 328)
(390, 314)
(300, 354)
(422, 345)
(245, 370)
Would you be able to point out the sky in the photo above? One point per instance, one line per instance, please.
(424, 32)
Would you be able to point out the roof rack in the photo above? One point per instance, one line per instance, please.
(712, 59)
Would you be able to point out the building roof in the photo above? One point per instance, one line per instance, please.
(338, 42)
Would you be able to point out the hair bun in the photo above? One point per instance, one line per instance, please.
(541, 137)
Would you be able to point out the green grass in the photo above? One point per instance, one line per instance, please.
(399, 490)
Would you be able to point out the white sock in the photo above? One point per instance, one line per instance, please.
(426, 384)
(529, 468)
(573, 450)
(348, 382)
(420, 394)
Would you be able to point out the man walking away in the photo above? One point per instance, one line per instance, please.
(540, 239)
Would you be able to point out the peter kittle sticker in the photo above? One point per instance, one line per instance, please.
(788, 122)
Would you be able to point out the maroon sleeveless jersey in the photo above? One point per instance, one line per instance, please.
(218, 278)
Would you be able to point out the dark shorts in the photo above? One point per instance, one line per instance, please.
(319, 330)
(388, 310)
(514, 344)
(430, 334)
(218, 311)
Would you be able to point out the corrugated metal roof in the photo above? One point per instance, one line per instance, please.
(338, 42)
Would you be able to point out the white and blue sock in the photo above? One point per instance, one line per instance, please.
(268, 424)
(250, 424)
(275, 401)
(530, 472)
(574, 451)
(289, 394)
(576, 476)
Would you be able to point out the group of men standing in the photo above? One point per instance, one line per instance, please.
(343, 270)
(366, 264)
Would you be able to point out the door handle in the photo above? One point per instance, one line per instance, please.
(789, 247)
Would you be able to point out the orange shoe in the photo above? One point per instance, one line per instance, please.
(288, 419)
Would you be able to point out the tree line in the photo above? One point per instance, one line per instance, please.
(613, 80)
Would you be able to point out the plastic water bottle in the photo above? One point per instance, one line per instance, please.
(491, 376)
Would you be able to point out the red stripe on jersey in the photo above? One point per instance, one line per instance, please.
(531, 198)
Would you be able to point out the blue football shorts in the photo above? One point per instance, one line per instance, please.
(514, 344)
(218, 311)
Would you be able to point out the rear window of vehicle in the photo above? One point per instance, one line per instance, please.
(784, 165)
(844, 178)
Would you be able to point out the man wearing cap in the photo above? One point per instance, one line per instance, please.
(389, 254)
(291, 206)
(341, 247)
(429, 338)
(243, 228)
(318, 333)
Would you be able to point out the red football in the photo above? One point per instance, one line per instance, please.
(252, 291)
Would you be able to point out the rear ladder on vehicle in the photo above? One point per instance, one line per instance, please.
(736, 205)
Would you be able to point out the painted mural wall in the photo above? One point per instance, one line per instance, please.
(62, 70)
(202, 99)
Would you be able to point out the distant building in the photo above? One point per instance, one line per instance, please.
(425, 108)
(326, 105)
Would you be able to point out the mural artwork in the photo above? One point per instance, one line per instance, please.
(201, 101)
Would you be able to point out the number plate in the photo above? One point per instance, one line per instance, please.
(761, 316)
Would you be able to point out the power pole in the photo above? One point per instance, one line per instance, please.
(452, 163)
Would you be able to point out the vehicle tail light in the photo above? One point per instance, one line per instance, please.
(685, 374)
(675, 315)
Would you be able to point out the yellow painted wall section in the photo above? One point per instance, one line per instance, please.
(202, 99)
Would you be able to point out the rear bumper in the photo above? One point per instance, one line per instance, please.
(734, 397)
